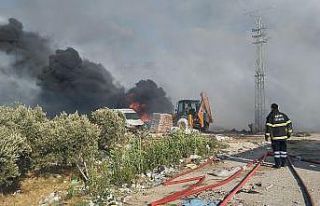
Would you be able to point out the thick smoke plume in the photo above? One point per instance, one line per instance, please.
(70, 83)
(146, 98)
(65, 82)
(29, 50)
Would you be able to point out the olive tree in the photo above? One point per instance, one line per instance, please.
(14, 153)
(68, 139)
(112, 125)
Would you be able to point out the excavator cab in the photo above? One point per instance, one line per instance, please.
(195, 113)
(186, 107)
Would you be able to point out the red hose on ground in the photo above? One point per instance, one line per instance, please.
(243, 182)
(192, 189)
(170, 181)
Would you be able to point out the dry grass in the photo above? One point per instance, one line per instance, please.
(34, 188)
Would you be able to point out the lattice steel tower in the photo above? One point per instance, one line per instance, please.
(259, 36)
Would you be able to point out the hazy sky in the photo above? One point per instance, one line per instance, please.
(189, 46)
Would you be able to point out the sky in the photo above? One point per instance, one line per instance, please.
(189, 46)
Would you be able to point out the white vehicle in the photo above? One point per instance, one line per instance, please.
(132, 118)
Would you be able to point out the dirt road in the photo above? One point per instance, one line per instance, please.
(272, 187)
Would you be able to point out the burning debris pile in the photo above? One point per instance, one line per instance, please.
(66, 82)
(147, 98)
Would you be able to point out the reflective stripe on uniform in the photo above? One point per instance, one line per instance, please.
(277, 138)
(276, 152)
(279, 125)
(276, 156)
(283, 154)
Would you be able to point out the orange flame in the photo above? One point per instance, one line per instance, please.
(139, 108)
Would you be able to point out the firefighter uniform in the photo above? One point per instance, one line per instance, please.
(279, 129)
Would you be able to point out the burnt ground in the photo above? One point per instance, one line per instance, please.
(269, 186)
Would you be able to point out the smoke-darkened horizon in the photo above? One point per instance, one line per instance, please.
(187, 47)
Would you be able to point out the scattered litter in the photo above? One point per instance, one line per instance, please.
(296, 203)
(199, 202)
(161, 169)
(126, 199)
(269, 187)
(224, 172)
(191, 166)
(249, 191)
(57, 176)
(52, 199)
(17, 192)
(157, 175)
(222, 137)
(194, 157)
(220, 192)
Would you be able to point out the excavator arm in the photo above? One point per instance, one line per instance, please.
(205, 107)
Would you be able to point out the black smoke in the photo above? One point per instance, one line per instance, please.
(29, 50)
(150, 98)
(64, 81)
(70, 83)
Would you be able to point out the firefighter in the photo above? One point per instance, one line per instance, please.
(279, 129)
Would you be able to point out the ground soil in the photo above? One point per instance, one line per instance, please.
(272, 187)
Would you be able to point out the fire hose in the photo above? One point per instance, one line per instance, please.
(243, 182)
(306, 160)
(194, 189)
(307, 197)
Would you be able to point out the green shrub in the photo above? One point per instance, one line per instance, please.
(112, 125)
(25, 120)
(22, 119)
(66, 140)
(123, 166)
(14, 153)
(175, 146)
(99, 182)
(137, 157)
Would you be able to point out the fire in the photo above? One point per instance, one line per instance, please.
(145, 117)
(136, 106)
(140, 109)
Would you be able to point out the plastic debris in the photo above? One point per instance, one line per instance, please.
(191, 166)
(199, 202)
